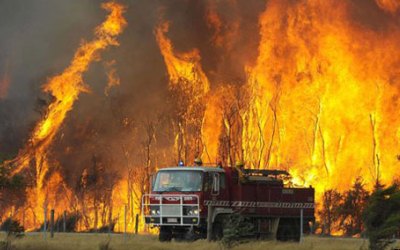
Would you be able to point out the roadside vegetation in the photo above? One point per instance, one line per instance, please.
(83, 241)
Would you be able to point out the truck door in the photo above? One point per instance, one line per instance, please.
(219, 190)
(215, 188)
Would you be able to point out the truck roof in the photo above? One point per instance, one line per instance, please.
(204, 169)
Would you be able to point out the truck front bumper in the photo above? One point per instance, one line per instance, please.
(171, 220)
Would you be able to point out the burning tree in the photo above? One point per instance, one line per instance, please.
(352, 208)
(225, 112)
(343, 212)
(329, 213)
(65, 88)
(94, 194)
(12, 191)
(189, 86)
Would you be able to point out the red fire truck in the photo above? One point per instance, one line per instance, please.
(191, 202)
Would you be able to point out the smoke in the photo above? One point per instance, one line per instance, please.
(392, 6)
(4, 84)
(37, 41)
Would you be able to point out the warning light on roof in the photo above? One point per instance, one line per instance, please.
(181, 164)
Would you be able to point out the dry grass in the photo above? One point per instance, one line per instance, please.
(73, 241)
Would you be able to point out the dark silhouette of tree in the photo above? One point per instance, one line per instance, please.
(329, 213)
(187, 111)
(231, 104)
(94, 193)
(382, 216)
(12, 189)
(354, 202)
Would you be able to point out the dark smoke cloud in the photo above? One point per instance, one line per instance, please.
(368, 15)
(37, 40)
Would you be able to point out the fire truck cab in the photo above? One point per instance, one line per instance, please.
(184, 200)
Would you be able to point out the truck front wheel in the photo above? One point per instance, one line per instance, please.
(165, 234)
(217, 231)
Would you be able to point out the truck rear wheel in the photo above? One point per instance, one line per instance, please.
(165, 234)
(288, 230)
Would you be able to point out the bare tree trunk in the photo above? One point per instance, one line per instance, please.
(262, 144)
(110, 215)
(271, 143)
(329, 215)
(323, 151)
(375, 152)
(95, 206)
(316, 130)
(228, 127)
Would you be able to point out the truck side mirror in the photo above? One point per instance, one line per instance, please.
(215, 184)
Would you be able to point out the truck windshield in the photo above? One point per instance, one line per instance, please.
(178, 181)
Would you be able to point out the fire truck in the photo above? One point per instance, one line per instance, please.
(196, 202)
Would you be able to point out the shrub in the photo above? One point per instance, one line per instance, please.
(12, 227)
(382, 217)
(237, 229)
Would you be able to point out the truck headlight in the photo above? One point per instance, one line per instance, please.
(193, 211)
(155, 211)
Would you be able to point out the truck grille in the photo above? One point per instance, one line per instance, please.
(170, 210)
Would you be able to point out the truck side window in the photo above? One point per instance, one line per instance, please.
(222, 180)
(215, 183)
(207, 182)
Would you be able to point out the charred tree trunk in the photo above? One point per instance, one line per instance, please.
(375, 149)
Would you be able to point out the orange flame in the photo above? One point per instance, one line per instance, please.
(322, 114)
(65, 88)
(188, 78)
(321, 103)
(113, 79)
(182, 66)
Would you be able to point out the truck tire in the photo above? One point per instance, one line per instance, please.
(288, 230)
(217, 231)
(165, 234)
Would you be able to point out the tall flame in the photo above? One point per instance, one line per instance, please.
(320, 99)
(65, 88)
(182, 66)
(186, 76)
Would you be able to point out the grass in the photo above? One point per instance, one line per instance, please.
(80, 241)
